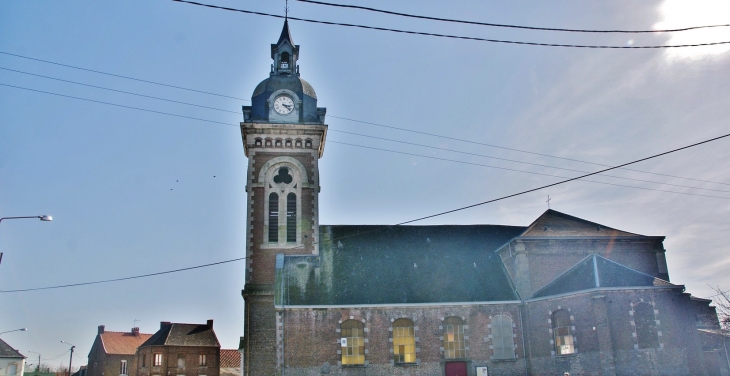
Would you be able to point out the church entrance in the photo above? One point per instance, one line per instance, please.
(456, 369)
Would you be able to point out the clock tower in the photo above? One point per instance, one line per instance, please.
(283, 138)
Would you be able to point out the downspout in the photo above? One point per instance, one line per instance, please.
(522, 324)
(248, 341)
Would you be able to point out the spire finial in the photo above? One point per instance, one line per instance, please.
(286, 9)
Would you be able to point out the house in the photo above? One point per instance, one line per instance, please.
(113, 353)
(12, 362)
(230, 364)
(181, 350)
(561, 294)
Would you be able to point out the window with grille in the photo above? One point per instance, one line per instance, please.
(158, 360)
(352, 342)
(646, 332)
(564, 343)
(291, 218)
(502, 338)
(404, 341)
(123, 367)
(273, 217)
(202, 360)
(454, 346)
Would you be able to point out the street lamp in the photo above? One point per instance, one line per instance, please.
(71, 358)
(38, 367)
(14, 330)
(44, 218)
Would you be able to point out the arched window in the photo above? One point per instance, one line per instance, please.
(288, 143)
(454, 346)
(285, 60)
(269, 143)
(291, 218)
(273, 217)
(352, 342)
(298, 143)
(278, 143)
(646, 333)
(257, 142)
(308, 143)
(404, 341)
(564, 343)
(503, 341)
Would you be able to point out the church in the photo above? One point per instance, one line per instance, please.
(561, 294)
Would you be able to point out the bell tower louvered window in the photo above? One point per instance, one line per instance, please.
(291, 218)
(273, 217)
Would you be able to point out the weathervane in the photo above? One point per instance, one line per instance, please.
(134, 324)
(286, 9)
(548, 201)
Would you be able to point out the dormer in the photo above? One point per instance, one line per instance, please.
(285, 54)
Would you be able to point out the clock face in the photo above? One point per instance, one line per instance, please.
(283, 105)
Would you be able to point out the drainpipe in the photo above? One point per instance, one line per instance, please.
(522, 324)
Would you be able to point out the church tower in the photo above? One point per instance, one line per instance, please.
(283, 137)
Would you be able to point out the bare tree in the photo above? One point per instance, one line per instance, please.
(722, 305)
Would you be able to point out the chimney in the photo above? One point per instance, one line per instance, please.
(101, 329)
(135, 331)
(210, 324)
(163, 324)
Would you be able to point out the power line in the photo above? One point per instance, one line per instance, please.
(516, 161)
(513, 149)
(525, 172)
(508, 25)
(116, 105)
(119, 76)
(118, 91)
(365, 122)
(125, 278)
(565, 181)
(453, 36)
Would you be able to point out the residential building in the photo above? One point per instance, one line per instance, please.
(113, 353)
(12, 362)
(230, 362)
(180, 350)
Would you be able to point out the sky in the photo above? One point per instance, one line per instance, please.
(134, 192)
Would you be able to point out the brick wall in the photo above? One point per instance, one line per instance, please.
(170, 356)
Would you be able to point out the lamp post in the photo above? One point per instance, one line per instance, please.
(38, 367)
(44, 218)
(14, 330)
(71, 358)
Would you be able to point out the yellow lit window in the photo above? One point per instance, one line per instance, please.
(353, 343)
(404, 341)
(564, 344)
(454, 347)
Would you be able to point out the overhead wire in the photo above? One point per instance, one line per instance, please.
(124, 278)
(409, 15)
(449, 35)
(523, 171)
(354, 120)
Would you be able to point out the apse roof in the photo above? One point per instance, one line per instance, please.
(361, 265)
(596, 271)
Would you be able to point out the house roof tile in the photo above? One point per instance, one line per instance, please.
(122, 342)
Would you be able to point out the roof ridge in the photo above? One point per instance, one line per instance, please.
(632, 269)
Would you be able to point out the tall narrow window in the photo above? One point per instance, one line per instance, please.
(180, 360)
(454, 346)
(202, 360)
(12, 369)
(144, 360)
(157, 360)
(352, 342)
(291, 218)
(404, 341)
(285, 60)
(561, 331)
(273, 217)
(123, 368)
(646, 332)
(502, 338)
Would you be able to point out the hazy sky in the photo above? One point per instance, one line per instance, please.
(135, 192)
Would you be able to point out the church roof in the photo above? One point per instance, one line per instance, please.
(400, 264)
(285, 34)
(555, 223)
(596, 271)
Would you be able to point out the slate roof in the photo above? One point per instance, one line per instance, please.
(285, 34)
(124, 343)
(230, 358)
(6, 351)
(175, 334)
(597, 271)
(555, 223)
(399, 264)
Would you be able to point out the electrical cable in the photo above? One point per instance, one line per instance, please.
(124, 278)
(119, 76)
(118, 91)
(57, 356)
(381, 125)
(516, 161)
(117, 105)
(419, 155)
(453, 36)
(515, 150)
(508, 25)
(523, 171)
